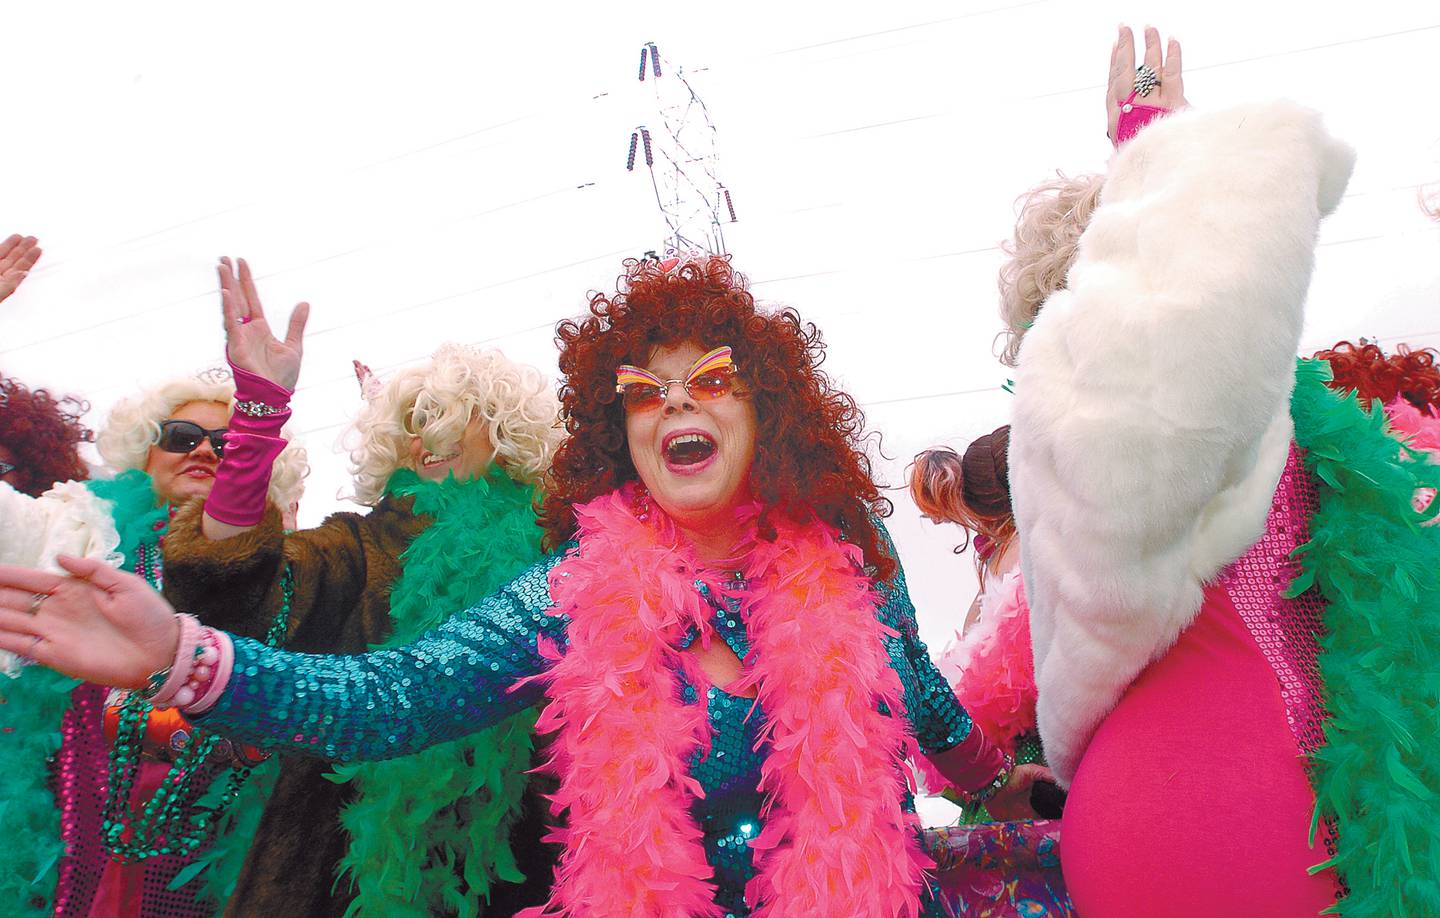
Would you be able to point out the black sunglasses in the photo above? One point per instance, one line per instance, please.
(184, 436)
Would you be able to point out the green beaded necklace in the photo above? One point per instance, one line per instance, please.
(175, 821)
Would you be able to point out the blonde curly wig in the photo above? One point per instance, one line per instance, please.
(134, 426)
(1050, 220)
(435, 401)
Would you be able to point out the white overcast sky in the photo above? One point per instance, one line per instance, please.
(424, 171)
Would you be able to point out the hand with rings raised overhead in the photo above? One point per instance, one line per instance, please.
(97, 624)
(1158, 81)
(249, 343)
(18, 255)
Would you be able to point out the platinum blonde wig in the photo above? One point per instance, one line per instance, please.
(1050, 220)
(436, 401)
(134, 426)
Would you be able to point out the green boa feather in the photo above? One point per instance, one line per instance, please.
(220, 863)
(132, 504)
(31, 708)
(1378, 775)
(430, 833)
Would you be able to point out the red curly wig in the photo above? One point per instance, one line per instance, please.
(808, 454)
(44, 434)
(1372, 375)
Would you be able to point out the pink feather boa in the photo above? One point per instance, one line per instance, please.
(836, 838)
(993, 666)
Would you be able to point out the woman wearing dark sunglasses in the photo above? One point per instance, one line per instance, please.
(161, 448)
(722, 635)
(446, 457)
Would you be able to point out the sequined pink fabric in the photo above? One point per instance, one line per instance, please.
(1287, 631)
(82, 774)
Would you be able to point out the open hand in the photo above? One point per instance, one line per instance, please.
(99, 624)
(18, 255)
(249, 343)
(1169, 94)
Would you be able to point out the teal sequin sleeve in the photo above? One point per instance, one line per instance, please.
(454, 680)
(935, 714)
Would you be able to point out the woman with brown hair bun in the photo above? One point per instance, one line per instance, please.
(992, 669)
(730, 657)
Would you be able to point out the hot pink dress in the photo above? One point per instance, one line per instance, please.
(1191, 798)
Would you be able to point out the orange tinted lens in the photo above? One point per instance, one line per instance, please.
(711, 385)
(642, 397)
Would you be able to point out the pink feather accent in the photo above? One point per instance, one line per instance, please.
(835, 835)
(993, 666)
(1418, 429)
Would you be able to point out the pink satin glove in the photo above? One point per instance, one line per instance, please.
(252, 443)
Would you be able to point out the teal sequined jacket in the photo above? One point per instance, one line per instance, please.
(459, 677)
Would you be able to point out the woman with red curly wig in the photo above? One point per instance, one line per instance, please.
(40, 437)
(722, 637)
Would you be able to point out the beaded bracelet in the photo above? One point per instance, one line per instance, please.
(1001, 778)
(258, 409)
(164, 683)
(209, 689)
(197, 683)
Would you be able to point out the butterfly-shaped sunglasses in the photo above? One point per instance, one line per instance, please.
(710, 377)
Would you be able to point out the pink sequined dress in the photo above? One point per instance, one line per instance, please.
(91, 884)
(1201, 764)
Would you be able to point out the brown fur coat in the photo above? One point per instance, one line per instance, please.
(342, 572)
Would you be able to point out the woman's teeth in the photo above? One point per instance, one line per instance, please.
(430, 460)
(688, 449)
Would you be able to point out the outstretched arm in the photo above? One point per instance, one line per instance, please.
(110, 627)
(954, 744)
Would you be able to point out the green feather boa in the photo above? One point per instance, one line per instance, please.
(430, 833)
(1378, 775)
(31, 707)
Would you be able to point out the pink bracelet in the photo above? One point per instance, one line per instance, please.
(186, 650)
(209, 690)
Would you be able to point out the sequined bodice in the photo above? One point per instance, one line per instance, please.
(463, 676)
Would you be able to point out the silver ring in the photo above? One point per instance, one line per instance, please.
(1146, 80)
(35, 601)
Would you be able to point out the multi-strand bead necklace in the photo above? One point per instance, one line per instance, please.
(175, 820)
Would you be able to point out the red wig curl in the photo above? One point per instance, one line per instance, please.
(44, 433)
(808, 455)
(1374, 376)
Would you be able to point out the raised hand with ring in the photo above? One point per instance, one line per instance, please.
(1159, 80)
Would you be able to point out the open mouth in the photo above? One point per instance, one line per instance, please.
(198, 471)
(686, 450)
(430, 460)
